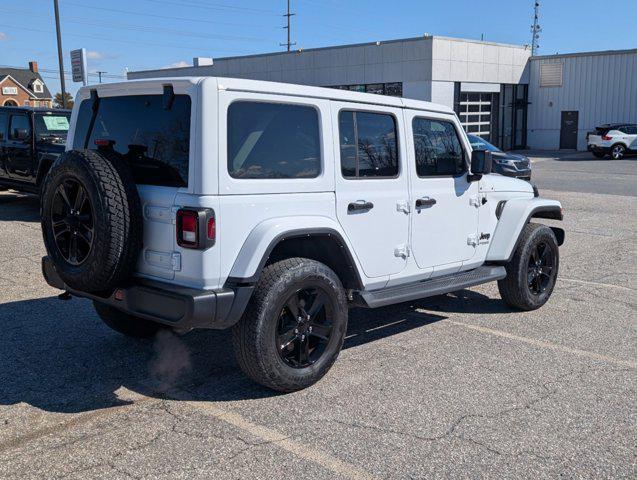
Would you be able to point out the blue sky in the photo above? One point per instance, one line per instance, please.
(142, 34)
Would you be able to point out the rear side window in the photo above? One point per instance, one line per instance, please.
(273, 140)
(154, 141)
(437, 148)
(368, 145)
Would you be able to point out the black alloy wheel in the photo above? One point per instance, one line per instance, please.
(304, 327)
(72, 219)
(540, 268)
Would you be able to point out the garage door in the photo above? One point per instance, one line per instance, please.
(474, 110)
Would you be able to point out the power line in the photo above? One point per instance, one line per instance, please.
(139, 28)
(110, 39)
(213, 6)
(164, 17)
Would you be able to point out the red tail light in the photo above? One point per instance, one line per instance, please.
(196, 228)
(212, 228)
(606, 137)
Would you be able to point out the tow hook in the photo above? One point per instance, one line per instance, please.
(65, 296)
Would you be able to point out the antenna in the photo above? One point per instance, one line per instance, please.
(535, 28)
(289, 15)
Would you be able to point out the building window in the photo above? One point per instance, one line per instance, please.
(368, 145)
(38, 87)
(26, 103)
(394, 89)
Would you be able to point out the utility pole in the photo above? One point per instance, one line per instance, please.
(289, 15)
(535, 28)
(60, 57)
(99, 74)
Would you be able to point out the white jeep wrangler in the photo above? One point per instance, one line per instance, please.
(271, 208)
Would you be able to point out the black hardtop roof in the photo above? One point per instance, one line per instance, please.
(35, 109)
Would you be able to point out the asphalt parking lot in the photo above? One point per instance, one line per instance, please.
(453, 386)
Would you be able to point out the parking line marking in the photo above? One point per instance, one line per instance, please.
(268, 435)
(596, 284)
(549, 345)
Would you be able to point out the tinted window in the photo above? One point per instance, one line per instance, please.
(19, 122)
(3, 126)
(368, 144)
(631, 130)
(155, 142)
(273, 140)
(437, 148)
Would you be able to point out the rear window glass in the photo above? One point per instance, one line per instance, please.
(154, 142)
(51, 126)
(273, 140)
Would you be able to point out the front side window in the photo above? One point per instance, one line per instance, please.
(20, 128)
(3, 125)
(368, 144)
(153, 140)
(437, 148)
(273, 141)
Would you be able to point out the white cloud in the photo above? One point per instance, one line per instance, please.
(179, 64)
(3, 36)
(94, 55)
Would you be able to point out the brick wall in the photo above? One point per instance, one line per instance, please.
(21, 97)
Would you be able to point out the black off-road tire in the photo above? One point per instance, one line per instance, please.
(254, 336)
(126, 324)
(514, 288)
(118, 223)
(599, 154)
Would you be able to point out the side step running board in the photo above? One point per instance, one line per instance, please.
(430, 288)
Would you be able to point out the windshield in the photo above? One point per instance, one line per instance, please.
(478, 143)
(51, 126)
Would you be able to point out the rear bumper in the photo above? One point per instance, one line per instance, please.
(180, 307)
(598, 148)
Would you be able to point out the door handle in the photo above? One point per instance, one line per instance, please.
(425, 202)
(360, 205)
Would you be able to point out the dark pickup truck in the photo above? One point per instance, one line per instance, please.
(30, 141)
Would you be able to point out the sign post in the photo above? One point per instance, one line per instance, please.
(78, 66)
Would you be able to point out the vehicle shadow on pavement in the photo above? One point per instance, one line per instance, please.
(19, 207)
(464, 301)
(58, 356)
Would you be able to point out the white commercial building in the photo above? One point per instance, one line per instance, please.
(493, 87)
(572, 94)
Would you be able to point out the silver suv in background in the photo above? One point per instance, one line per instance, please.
(505, 163)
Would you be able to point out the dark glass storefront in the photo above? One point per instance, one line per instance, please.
(499, 118)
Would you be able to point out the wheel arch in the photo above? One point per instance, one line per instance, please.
(44, 165)
(515, 215)
(277, 239)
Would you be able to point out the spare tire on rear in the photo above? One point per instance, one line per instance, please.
(91, 220)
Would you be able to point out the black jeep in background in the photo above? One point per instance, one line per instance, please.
(30, 141)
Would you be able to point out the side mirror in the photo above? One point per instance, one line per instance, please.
(481, 162)
(22, 134)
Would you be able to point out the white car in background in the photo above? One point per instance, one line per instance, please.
(615, 140)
